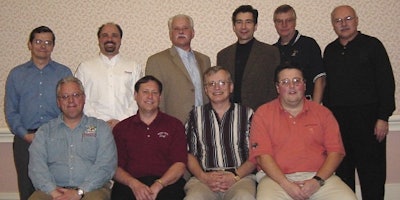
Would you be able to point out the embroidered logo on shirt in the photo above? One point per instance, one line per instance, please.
(90, 131)
(294, 53)
(162, 134)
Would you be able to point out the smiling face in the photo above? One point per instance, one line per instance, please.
(109, 40)
(244, 27)
(181, 32)
(71, 99)
(291, 87)
(148, 97)
(218, 87)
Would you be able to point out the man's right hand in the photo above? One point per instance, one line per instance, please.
(29, 137)
(294, 190)
(212, 180)
(141, 191)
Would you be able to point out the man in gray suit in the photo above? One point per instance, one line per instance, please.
(179, 68)
(251, 62)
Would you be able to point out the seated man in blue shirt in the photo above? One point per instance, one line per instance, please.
(72, 156)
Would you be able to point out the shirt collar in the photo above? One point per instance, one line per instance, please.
(111, 61)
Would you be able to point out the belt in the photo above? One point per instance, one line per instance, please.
(32, 130)
(232, 170)
(70, 187)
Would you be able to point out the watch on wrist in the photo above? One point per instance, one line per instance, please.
(80, 192)
(320, 180)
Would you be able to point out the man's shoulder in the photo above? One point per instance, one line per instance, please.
(227, 49)
(20, 67)
(60, 66)
(160, 54)
(204, 56)
(264, 46)
(91, 60)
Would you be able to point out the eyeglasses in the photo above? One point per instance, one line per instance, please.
(286, 21)
(65, 97)
(295, 81)
(45, 42)
(220, 83)
(341, 20)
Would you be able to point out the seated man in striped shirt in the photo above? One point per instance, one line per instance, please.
(218, 140)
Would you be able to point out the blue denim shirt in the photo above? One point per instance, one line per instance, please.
(84, 157)
(30, 98)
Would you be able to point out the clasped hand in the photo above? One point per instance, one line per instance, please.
(219, 181)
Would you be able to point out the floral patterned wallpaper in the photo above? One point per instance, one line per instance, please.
(144, 23)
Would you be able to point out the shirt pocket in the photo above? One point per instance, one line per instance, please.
(87, 150)
(57, 151)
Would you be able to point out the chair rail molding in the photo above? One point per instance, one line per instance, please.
(7, 137)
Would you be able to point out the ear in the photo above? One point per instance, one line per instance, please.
(277, 88)
(29, 45)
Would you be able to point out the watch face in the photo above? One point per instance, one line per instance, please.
(80, 192)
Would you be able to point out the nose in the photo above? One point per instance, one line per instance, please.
(70, 98)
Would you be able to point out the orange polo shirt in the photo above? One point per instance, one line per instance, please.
(297, 144)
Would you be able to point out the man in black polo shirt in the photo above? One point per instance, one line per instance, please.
(300, 50)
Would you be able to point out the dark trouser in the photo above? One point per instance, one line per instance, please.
(21, 160)
(363, 151)
(171, 192)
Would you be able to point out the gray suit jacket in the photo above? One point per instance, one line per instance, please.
(258, 85)
(177, 97)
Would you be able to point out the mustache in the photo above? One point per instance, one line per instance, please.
(182, 35)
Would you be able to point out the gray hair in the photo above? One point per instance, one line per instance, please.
(180, 16)
(70, 79)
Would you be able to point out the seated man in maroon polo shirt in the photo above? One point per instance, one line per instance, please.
(151, 149)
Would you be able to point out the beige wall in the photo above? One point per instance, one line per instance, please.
(144, 24)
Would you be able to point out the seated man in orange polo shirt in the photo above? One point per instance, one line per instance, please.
(296, 144)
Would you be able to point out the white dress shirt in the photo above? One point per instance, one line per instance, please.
(109, 86)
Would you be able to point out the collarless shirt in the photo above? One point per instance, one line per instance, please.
(30, 96)
(189, 60)
(241, 57)
(219, 143)
(83, 157)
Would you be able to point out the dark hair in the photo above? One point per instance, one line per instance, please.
(284, 9)
(286, 65)
(110, 23)
(41, 29)
(146, 79)
(244, 9)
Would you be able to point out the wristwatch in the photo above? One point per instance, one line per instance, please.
(320, 180)
(80, 192)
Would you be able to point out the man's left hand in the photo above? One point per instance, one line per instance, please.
(381, 129)
(68, 194)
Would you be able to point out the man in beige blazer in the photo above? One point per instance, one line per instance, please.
(180, 70)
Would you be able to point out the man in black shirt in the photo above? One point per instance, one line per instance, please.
(300, 50)
(360, 93)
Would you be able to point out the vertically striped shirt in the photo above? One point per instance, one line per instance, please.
(219, 143)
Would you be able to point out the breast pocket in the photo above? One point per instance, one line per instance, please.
(87, 150)
(56, 153)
